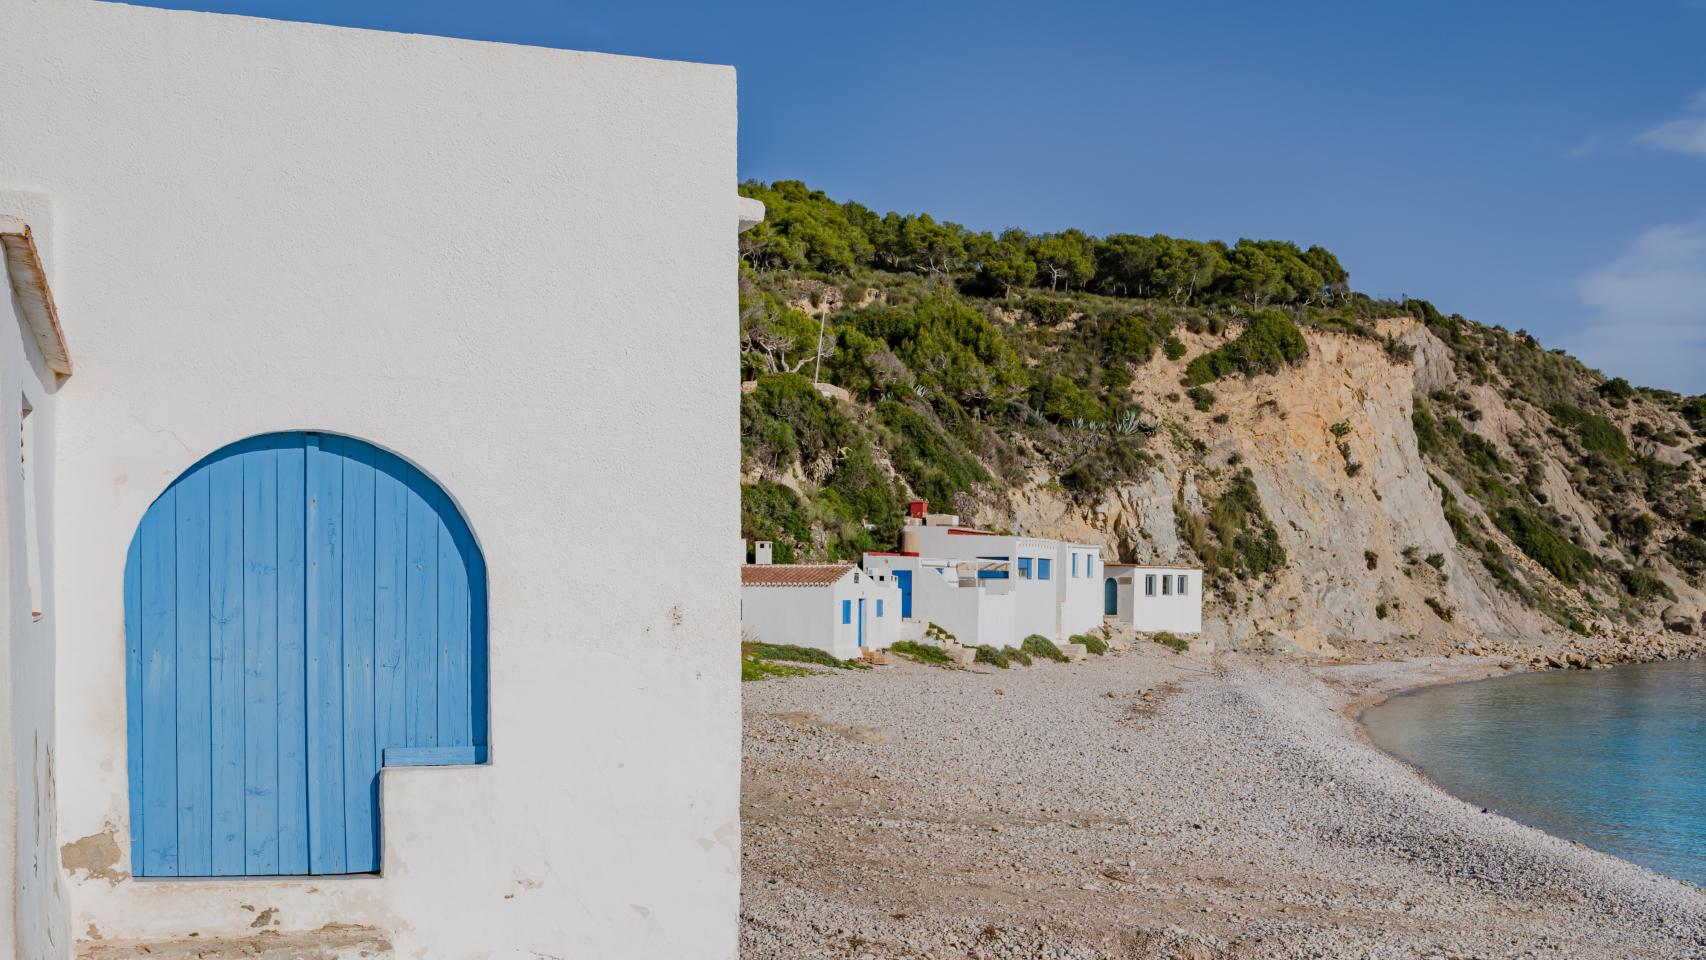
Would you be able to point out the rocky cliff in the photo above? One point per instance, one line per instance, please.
(1359, 477)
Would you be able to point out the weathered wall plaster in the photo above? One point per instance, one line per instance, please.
(33, 921)
(511, 265)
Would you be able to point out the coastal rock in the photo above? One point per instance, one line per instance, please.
(1676, 620)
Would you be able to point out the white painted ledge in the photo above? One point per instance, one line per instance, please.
(749, 212)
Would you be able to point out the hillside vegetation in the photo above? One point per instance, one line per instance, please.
(1355, 473)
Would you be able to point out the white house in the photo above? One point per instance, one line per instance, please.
(1055, 583)
(373, 335)
(1154, 598)
(835, 607)
(973, 600)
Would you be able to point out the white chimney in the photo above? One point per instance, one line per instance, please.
(761, 551)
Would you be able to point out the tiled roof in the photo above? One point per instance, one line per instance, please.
(792, 574)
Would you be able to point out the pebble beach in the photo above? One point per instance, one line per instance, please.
(1149, 805)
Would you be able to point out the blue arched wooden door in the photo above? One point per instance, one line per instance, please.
(1110, 597)
(300, 610)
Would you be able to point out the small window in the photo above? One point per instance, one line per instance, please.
(1149, 585)
(846, 611)
(879, 607)
(1043, 565)
(1024, 568)
(1166, 585)
(1183, 584)
(1075, 566)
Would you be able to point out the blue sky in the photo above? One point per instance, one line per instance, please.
(1540, 165)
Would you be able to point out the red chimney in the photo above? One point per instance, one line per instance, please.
(917, 508)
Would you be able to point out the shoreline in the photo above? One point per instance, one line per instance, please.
(1151, 805)
(1422, 773)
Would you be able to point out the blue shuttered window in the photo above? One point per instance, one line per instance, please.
(1024, 568)
(846, 612)
(879, 607)
(296, 605)
(1043, 566)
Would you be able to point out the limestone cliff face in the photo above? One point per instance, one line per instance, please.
(1373, 565)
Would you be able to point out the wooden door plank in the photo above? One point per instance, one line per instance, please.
(225, 661)
(260, 659)
(133, 697)
(453, 699)
(421, 612)
(195, 781)
(157, 588)
(390, 591)
(479, 670)
(361, 758)
(292, 656)
(326, 831)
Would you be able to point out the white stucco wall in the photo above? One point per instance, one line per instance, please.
(1080, 593)
(513, 266)
(811, 616)
(1054, 608)
(974, 615)
(33, 919)
(1174, 613)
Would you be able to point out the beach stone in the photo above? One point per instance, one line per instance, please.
(1678, 621)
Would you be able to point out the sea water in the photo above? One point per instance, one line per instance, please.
(1615, 759)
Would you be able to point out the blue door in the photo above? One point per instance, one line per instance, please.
(1110, 597)
(300, 610)
(903, 579)
(861, 623)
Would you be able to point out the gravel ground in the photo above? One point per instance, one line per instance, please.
(1148, 805)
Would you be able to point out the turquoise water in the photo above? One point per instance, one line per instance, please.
(1613, 758)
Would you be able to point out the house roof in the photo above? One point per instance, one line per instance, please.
(792, 574)
(29, 281)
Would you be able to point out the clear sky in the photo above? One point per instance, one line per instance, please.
(1540, 165)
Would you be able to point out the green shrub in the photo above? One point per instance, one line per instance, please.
(1172, 641)
(1597, 434)
(788, 651)
(752, 668)
(934, 465)
(1038, 645)
(770, 511)
(1270, 342)
(988, 654)
(1642, 584)
(1436, 560)
(1091, 642)
(923, 653)
(1428, 440)
(1174, 347)
(1544, 545)
(1131, 339)
(1689, 553)
(1202, 398)
(1016, 655)
(1440, 609)
(1046, 310)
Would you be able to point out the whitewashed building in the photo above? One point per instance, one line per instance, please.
(834, 607)
(303, 640)
(989, 588)
(972, 600)
(1154, 598)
